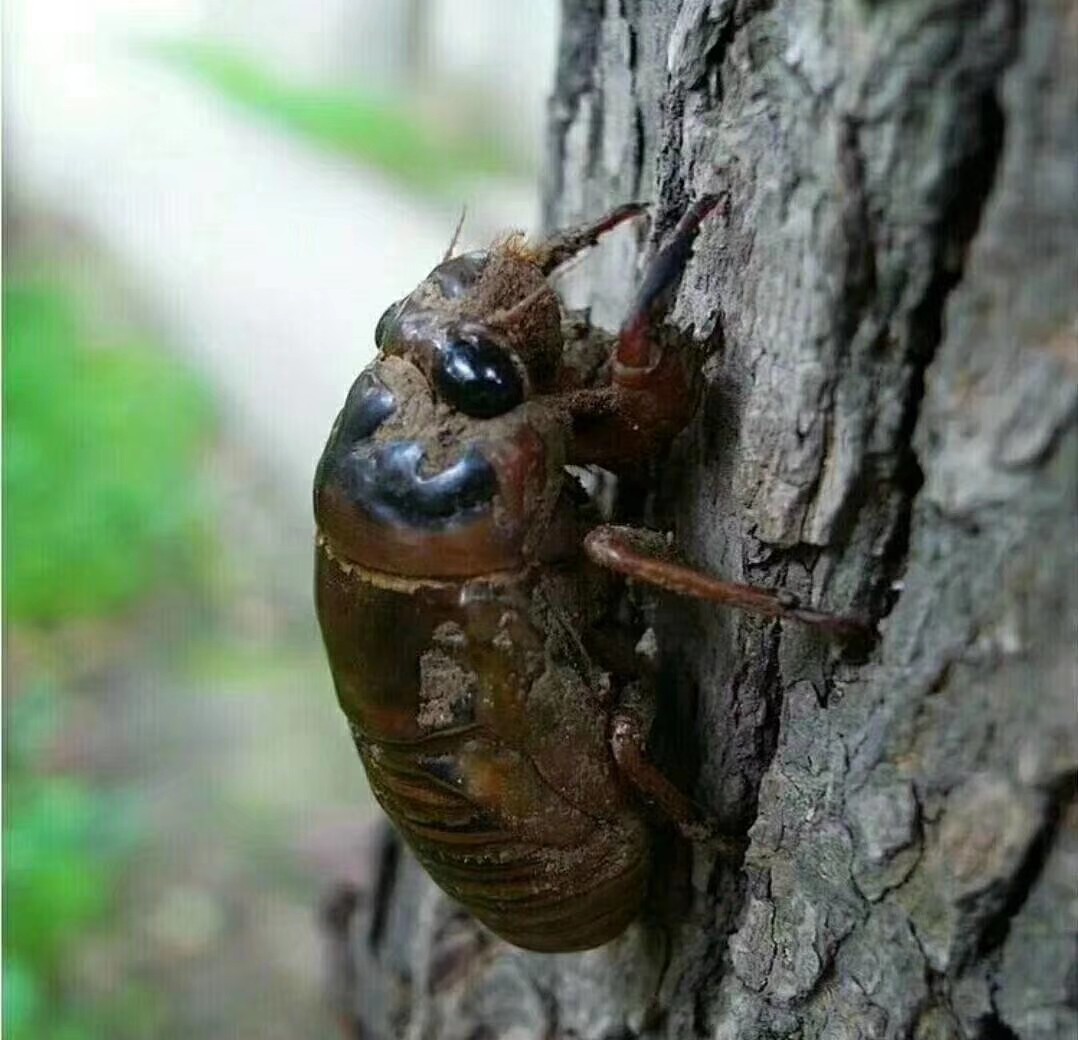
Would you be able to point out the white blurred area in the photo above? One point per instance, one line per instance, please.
(266, 259)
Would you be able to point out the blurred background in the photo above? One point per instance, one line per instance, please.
(207, 205)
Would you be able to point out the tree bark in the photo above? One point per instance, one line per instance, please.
(889, 308)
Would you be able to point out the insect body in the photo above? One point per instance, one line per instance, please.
(461, 598)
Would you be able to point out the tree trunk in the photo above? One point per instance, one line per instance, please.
(890, 309)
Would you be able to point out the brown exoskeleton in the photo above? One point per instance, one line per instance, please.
(460, 593)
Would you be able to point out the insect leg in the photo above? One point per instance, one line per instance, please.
(565, 244)
(643, 556)
(628, 742)
(637, 352)
(651, 392)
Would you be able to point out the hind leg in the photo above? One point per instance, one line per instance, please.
(629, 730)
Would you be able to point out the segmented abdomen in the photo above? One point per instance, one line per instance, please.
(536, 894)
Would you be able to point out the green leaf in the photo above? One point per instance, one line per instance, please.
(22, 997)
(100, 442)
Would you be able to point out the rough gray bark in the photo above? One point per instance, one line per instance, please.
(890, 310)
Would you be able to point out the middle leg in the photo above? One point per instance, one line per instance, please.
(636, 554)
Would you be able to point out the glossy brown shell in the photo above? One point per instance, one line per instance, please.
(484, 732)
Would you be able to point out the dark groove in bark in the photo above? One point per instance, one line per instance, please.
(671, 198)
(769, 687)
(995, 934)
(975, 176)
(389, 855)
(575, 77)
(995, 1029)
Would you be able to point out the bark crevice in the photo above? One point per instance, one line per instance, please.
(976, 176)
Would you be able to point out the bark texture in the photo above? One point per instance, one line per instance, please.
(889, 311)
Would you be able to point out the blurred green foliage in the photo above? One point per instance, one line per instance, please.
(100, 492)
(374, 130)
(99, 442)
(64, 847)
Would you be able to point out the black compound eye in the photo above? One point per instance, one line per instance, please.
(478, 378)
